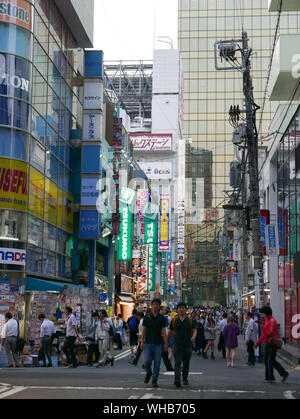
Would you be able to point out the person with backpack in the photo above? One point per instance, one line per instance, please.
(184, 330)
(133, 326)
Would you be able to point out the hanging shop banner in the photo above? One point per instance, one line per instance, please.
(151, 240)
(142, 202)
(17, 12)
(283, 231)
(143, 278)
(237, 251)
(181, 199)
(136, 262)
(264, 220)
(171, 276)
(164, 222)
(272, 240)
(152, 142)
(92, 127)
(89, 225)
(12, 257)
(36, 193)
(163, 271)
(125, 236)
(13, 184)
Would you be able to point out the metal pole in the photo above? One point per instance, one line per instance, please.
(254, 199)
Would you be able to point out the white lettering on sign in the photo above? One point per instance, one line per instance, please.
(14, 81)
(125, 234)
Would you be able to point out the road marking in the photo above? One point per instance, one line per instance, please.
(190, 373)
(11, 392)
(122, 355)
(150, 396)
(289, 395)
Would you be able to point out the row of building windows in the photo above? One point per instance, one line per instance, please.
(222, 4)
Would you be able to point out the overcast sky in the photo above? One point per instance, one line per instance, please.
(126, 29)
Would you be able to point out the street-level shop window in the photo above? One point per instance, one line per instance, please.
(13, 225)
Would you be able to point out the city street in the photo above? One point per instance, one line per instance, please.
(209, 379)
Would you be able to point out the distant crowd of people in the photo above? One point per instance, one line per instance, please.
(157, 334)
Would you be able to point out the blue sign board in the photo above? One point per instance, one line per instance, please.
(89, 225)
(93, 66)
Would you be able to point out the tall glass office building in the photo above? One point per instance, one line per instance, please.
(40, 112)
(208, 97)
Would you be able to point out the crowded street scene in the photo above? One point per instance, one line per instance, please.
(149, 206)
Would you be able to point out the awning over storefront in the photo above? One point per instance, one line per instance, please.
(35, 284)
(126, 299)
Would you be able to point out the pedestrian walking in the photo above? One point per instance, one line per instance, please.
(183, 329)
(102, 337)
(119, 324)
(154, 341)
(251, 337)
(9, 335)
(231, 332)
(270, 338)
(139, 351)
(70, 340)
(221, 344)
(133, 327)
(210, 335)
(46, 332)
(165, 355)
(93, 347)
(200, 342)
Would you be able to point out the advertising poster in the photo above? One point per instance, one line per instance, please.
(13, 184)
(51, 201)
(143, 278)
(151, 240)
(36, 193)
(164, 222)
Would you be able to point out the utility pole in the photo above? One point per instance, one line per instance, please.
(254, 199)
(227, 51)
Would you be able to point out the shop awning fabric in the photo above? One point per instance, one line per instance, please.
(126, 298)
(35, 284)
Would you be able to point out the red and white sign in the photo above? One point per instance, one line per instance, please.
(152, 142)
(171, 274)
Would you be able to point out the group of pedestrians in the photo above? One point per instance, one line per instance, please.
(158, 335)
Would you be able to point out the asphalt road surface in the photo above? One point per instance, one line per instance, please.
(209, 379)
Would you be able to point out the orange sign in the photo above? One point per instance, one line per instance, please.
(17, 12)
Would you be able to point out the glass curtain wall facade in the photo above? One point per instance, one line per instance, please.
(288, 165)
(40, 108)
(208, 97)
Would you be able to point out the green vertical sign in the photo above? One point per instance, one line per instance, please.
(125, 237)
(163, 282)
(151, 240)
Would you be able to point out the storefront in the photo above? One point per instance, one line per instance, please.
(125, 301)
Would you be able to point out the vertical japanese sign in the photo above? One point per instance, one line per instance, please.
(125, 236)
(151, 241)
(163, 270)
(181, 199)
(264, 220)
(143, 278)
(142, 201)
(164, 222)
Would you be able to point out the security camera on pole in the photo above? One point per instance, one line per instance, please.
(228, 51)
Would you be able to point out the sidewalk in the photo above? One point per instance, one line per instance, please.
(290, 354)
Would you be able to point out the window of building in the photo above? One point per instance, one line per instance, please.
(13, 225)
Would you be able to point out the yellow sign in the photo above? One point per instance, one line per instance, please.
(13, 184)
(68, 213)
(36, 193)
(60, 208)
(51, 202)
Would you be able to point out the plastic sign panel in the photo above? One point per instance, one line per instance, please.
(272, 240)
(143, 278)
(152, 142)
(89, 192)
(92, 127)
(93, 95)
(157, 171)
(264, 220)
(151, 240)
(89, 225)
(12, 256)
(164, 222)
(17, 12)
(125, 236)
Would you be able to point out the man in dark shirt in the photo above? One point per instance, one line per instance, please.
(154, 341)
(184, 331)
